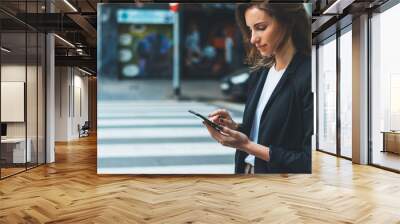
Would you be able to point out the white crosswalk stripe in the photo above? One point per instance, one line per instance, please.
(171, 149)
(158, 137)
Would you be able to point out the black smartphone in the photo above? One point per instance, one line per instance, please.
(212, 124)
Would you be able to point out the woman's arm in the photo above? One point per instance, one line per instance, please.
(298, 159)
(236, 139)
(257, 150)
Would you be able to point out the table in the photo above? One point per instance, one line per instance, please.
(16, 147)
(391, 141)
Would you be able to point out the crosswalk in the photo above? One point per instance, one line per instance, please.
(158, 137)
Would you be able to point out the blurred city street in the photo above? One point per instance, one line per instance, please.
(159, 89)
(144, 126)
(144, 129)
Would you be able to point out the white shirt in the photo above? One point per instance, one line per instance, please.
(269, 86)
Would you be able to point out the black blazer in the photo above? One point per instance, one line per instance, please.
(286, 124)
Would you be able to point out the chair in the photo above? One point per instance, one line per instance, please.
(84, 130)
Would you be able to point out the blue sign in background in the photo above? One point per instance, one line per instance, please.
(135, 16)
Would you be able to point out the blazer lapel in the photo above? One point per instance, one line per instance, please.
(252, 104)
(291, 69)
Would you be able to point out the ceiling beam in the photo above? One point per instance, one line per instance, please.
(337, 7)
(85, 25)
(83, 61)
(321, 20)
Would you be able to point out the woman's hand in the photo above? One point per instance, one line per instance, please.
(222, 117)
(229, 137)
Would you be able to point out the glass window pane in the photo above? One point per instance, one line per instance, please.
(314, 78)
(14, 151)
(31, 101)
(23, 81)
(327, 96)
(41, 99)
(346, 94)
(385, 89)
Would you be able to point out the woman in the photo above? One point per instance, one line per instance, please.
(275, 136)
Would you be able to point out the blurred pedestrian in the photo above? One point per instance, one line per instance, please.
(192, 44)
(228, 50)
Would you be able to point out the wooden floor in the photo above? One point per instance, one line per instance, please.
(10, 171)
(70, 191)
(387, 159)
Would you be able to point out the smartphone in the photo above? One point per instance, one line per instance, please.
(212, 124)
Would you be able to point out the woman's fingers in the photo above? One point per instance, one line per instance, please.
(222, 117)
(214, 133)
(227, 122)
(226, 137)
(220, 120)
(219, 112)
(215, 113)
(214, 119)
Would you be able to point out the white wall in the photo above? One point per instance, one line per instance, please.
(61, 103)
(33, 127)
(81, 101)
(71, 94)
(12, 73)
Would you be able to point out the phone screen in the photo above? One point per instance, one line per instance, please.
(212, 124)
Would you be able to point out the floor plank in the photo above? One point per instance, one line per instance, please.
(70, 191)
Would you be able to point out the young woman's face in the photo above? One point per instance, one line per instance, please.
(264, 30)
